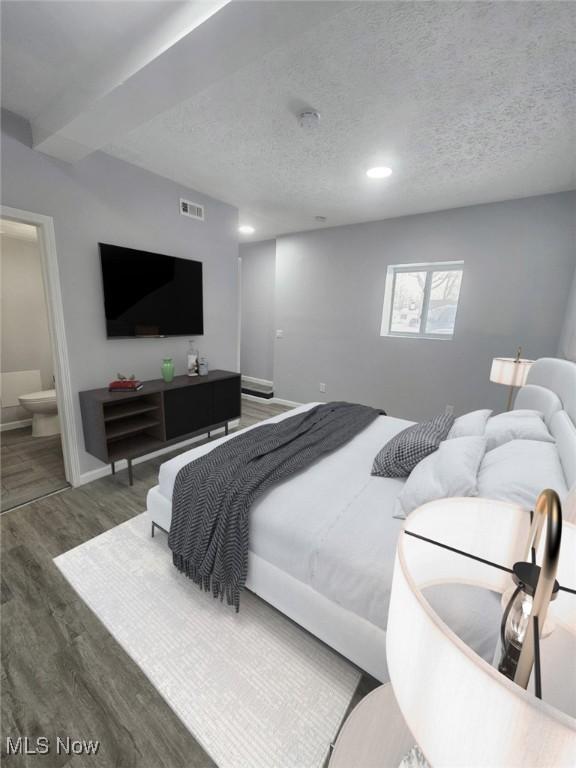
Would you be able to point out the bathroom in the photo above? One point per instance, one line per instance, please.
(31, 444)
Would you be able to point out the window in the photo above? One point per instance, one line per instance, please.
(420, 300)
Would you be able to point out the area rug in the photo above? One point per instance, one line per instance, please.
(253, 688)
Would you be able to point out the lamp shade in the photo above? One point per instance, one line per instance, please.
(460, 709)
(510, 371)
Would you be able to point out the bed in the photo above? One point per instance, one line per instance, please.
(322, 543)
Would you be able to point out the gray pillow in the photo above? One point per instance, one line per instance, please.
(401, 454)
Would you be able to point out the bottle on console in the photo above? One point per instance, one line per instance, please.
(192, 359)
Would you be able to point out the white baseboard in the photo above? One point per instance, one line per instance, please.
(253, 380)
(272, 400)
(15, 425)
(96, 474)
(257, 399)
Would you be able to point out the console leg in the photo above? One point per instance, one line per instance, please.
(130, 475)
(113, 468)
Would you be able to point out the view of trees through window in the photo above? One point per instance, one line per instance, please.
(424, 301)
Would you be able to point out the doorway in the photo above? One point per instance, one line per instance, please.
(36, 420)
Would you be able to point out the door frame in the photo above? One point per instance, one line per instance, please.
(57, 331)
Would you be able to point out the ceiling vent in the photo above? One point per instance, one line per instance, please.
(192, 210)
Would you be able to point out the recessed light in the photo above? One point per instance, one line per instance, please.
(380, 172)
(246, 229)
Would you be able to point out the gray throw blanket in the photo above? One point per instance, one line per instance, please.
(213, 494)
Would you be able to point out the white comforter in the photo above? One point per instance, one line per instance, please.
(330, 526)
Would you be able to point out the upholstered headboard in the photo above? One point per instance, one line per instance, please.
(551, 388)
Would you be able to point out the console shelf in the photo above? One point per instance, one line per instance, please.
(122, 410)
(131, 447)
(129, 425)
(126, 425)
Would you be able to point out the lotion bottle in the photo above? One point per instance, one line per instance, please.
(192, 359)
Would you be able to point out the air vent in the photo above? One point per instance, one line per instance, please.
(193, 210)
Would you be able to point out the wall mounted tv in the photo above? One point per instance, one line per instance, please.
(147, 295)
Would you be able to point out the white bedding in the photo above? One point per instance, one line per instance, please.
(322, 542)
(331, 525)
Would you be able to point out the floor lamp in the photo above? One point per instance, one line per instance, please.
(512, 371)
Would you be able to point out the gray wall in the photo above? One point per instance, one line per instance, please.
(519, 260)
(25, 338)
(105, 199)
(567, 346)
(257, 303)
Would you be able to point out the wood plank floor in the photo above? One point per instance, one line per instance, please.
(31, 466)
(63, 674)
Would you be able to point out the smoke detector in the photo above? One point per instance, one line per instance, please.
(309, 119)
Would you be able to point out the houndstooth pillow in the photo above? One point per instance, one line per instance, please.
(401, 454)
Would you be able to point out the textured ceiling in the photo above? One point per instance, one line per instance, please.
(467, 102)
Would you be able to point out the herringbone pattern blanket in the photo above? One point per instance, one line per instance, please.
(213, 494)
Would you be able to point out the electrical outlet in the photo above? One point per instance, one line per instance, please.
(279, 334)
(322, 387)
(449, 410)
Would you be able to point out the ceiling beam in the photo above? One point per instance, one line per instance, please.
(211, 42)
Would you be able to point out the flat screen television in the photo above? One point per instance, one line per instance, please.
(148, 295)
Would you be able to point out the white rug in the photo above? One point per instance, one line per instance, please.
(253, 688)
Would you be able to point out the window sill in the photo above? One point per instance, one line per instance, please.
(417, 336)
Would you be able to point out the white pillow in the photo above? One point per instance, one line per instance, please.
(516, 425)
(470, 424)
(519, 470)
(451, 471)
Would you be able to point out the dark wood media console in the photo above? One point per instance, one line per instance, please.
(125, 425)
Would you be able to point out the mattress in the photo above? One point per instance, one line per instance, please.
(332, 525)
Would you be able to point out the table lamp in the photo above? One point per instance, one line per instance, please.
(512, 371)
(462, 710)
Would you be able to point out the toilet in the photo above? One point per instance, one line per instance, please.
(44, 410)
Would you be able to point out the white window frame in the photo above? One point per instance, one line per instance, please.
(428, 267)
